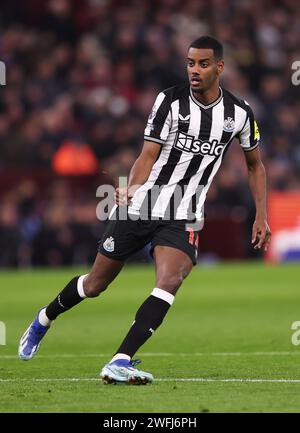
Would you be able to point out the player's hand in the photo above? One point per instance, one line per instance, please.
(261, 234)
(121, 196)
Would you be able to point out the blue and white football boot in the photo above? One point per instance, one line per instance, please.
(122, 371)
(31, 339)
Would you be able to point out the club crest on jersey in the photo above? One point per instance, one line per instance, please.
(109, 244)
(188, 143)
(228, 124)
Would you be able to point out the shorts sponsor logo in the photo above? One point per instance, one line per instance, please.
(109, 244)
(188, 143)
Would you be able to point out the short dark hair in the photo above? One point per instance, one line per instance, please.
(209, 42)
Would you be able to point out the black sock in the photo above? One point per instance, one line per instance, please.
(67, 298)
(148, 318)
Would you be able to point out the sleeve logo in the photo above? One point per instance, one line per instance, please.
(152, 114)
(256, 131)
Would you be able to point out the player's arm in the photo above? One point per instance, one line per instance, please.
(139, 172)
(155, 135)
(249, 140)
(261, 233)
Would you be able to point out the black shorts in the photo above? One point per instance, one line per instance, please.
(123, 238)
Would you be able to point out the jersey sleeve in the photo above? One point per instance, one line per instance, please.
(159, 120)
(249, 136)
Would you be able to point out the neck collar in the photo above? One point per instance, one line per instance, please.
(212, 104)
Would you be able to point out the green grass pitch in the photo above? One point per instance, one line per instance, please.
(225, 345)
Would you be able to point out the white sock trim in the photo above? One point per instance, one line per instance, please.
(80, 286)
(43, 319)
(120, 356)
(163, 294)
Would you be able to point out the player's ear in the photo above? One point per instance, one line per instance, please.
(220, 66)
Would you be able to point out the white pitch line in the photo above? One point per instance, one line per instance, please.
(200, 379)
(160, 354)
(175, 379)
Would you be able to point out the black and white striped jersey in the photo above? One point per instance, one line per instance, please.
(194, 139)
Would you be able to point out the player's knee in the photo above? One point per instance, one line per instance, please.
(93, 287)
(170, 283)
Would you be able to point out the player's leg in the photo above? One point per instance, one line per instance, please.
(103, 272)
(91, 285)
(120, 239)
(172, 266)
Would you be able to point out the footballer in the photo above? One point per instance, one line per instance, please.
(187, 135)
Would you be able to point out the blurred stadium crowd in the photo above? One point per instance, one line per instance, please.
(82, 76)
